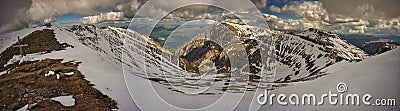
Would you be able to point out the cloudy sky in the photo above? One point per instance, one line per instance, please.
(340, 16)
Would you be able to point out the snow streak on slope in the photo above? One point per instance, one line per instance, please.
(334, 44)
(305, 55)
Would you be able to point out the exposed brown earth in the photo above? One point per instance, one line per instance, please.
(41, 41)
(27, 84)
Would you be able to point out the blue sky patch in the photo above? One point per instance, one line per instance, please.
(69, 18)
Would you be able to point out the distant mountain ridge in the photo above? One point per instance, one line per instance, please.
(300, 55)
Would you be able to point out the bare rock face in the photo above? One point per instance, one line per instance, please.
(205, 50)
(200, 52)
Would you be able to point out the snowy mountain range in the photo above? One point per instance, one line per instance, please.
(300, 55)
(106, 53)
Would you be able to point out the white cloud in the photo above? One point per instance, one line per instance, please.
(275, 9)
(44, 9)
(37, 12)
(102, 17)
(313, 10)
(48, 20)
(131, 7)
(316, 16)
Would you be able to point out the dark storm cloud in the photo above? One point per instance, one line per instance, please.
(9, 13)
(130, 7)
(10, 8)
(364, 8)
(260, 4)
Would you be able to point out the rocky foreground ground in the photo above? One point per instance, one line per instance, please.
(35, 83)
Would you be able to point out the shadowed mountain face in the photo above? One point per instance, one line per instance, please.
(378, 47)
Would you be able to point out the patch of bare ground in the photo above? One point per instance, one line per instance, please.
(27, 84)
(40, 41)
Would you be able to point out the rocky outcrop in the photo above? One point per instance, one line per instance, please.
(201, 52)
(386, 47)
(380, 46)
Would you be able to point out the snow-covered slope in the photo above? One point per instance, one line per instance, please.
(333, 44)
(100, 66)
(377, 75)
(303, 55)
(7, 39)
